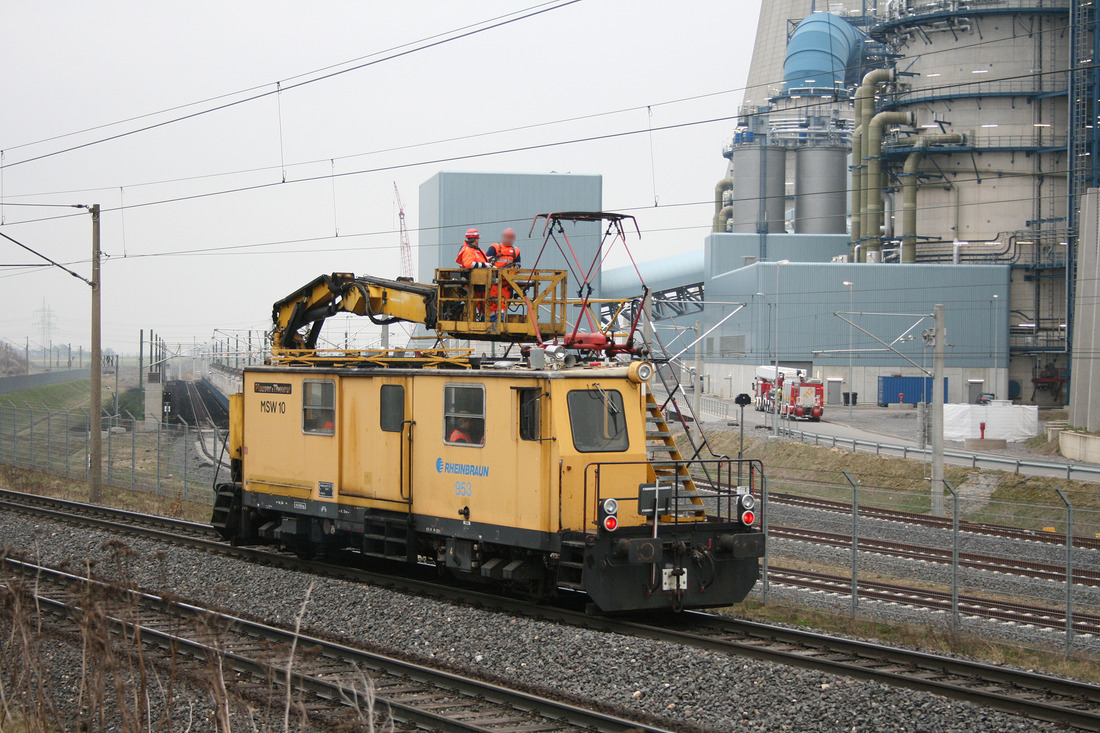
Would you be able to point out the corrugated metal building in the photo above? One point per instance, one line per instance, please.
(791, 307)
(452, 202)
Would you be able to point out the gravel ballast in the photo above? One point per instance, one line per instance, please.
(680, 683)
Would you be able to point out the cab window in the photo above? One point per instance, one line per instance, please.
(464, 414)
(319, 407)
(598, 420)
(530, 422)
(391, 413)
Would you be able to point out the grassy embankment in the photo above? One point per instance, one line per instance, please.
(75, 396)
(896, 483)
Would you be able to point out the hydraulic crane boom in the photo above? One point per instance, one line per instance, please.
(484, 304)
(383, 301)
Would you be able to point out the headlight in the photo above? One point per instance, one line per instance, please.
(640, 371)
(610, 506)
(748, 501)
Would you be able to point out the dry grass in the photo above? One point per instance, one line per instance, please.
(44, 484)
(120, 684)
(1039, 445)
(897, 483)
(925, 637)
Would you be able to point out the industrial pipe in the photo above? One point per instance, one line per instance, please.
(909, 184)
(888, 212)
(857, 192)
(872, 212)
(865, 110)
(723, 218)
(719, 188)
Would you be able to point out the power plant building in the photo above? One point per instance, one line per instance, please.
(892, 155)
(888, 156)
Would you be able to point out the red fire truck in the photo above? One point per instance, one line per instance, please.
(791, 395)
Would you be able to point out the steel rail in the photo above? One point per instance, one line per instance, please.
(894, 515)
(193, 396)
(413, 693)
(1019, 613)
(1074, 703)
(977, 561)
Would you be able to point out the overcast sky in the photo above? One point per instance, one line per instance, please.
(184, 268)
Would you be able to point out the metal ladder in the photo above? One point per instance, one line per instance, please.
(659, 440)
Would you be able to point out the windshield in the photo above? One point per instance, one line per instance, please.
(598, 420)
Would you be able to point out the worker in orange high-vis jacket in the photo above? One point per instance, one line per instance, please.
(471, 257)
(503, 254)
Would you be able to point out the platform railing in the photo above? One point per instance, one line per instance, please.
(670, 498)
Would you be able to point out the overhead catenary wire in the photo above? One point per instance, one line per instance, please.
(482, 154)
(396, 54)
(956, 179)
(927, 53)
(806, 106)
(253, 88)
(54, 263)
(236, 249)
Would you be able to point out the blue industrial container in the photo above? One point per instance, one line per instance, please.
(911, 389)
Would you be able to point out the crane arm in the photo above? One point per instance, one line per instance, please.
(383, 301)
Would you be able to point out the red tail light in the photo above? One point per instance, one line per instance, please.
(747, 518)
(611, 522)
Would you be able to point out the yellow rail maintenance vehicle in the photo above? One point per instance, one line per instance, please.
(554, 470)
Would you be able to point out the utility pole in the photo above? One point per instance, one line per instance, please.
(27, 354)
(851, 380)
(937, 412)
(141, 371)
(95, 488)
(775, 385)
(116, 359)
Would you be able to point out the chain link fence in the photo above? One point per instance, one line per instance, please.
(174, 461)
(987, 562)
(1022, 573)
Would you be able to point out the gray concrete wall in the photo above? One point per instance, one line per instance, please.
(1084, 376)
(21, 382)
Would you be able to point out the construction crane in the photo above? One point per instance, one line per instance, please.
(406, 248)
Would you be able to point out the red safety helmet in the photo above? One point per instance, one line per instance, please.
(472, 234)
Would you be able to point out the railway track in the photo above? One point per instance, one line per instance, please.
(1001, 610)
(893, 515)
(331, 673)
(201, 414)
(1038, 696)
(989, 563)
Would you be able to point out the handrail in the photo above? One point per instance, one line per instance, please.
(724, 486)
